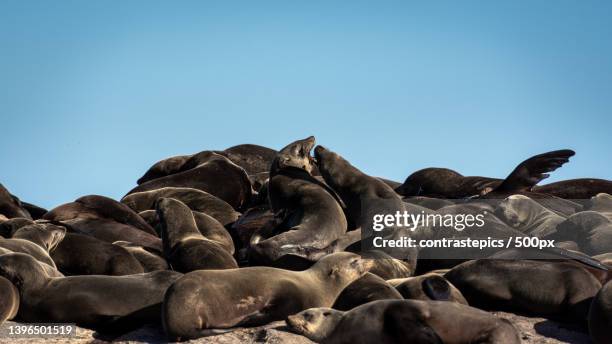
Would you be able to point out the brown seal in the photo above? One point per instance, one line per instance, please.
(10, 206)
(309, 217)
(104, 219)
(185, 248)
(399, 321)
(252, 158)
(9, 301)
(364, 196)
(541, 288)
(196, 200)
(35, 241)
(208, 226)
(110, 302)
(218, 176)
(204, 300)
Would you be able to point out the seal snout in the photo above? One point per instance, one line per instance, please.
(295, 323)
(309, 142)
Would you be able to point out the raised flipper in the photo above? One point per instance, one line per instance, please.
(531, 171)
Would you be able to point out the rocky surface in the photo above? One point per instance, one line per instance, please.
(532, 330)
(540, 330)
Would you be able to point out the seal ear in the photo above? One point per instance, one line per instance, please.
(533, 170)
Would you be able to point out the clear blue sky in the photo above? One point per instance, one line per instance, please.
(94, 92)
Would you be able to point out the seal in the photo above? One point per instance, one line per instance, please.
(528, 216)
(185, 248)
(434, 258)
(582, 188)
(98, 207)
(363, 196)
(37, 250)
(100, 302)
(208, 226)
(600, 316)
(426, 287)
(10, 206)
(591, 230)
(47, 236)
(395, 321)
(49, 270)
(218, 176)
(196, 200)
(309, 217)
(445, 183)
(164, 168)
(204, 300)
(194, 161)
(366, 289)
(78, 254)
(9, 302)
(104, 219)
(548, 289)
(435, 182)
(352, 185)
(149, 259)
(601, 203)
(252, 158)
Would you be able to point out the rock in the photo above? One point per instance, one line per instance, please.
(544, 331)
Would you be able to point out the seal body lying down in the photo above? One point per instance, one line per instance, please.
(403, 321)
(218, 299)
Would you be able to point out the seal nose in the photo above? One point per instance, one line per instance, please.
(293, 321)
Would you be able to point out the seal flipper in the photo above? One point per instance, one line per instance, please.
(531, 171)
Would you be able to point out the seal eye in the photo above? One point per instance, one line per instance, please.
(326, 313)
